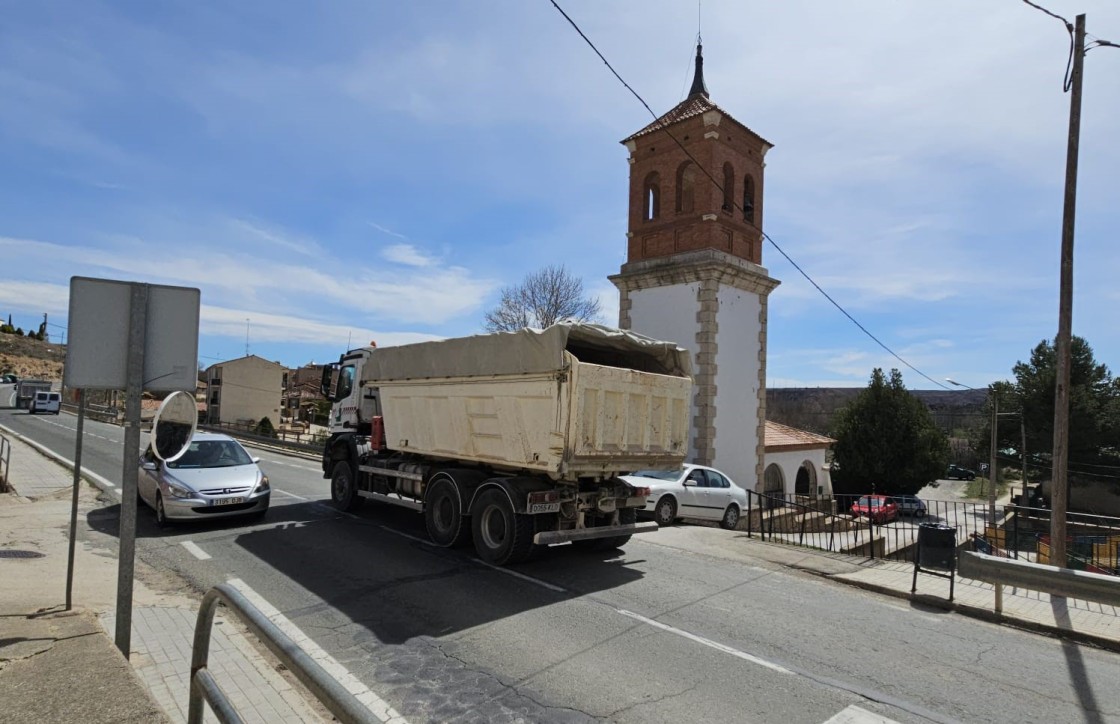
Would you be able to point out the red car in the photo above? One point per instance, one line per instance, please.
(879, 508)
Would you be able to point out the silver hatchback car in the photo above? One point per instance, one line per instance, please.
(214, 478)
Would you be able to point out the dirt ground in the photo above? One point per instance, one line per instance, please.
(30, 358)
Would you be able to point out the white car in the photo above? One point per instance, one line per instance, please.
(693, 491)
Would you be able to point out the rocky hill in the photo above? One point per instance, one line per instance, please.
(30, 358)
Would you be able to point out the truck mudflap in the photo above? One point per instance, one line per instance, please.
(550, 537)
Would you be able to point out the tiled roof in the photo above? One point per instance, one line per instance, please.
(690, 107)
(778, 435)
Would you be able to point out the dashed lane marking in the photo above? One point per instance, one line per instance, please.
(706, 642)
(855, 715)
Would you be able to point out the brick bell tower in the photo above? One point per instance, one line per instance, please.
(693, 270)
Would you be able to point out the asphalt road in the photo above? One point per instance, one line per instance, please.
(652, 634)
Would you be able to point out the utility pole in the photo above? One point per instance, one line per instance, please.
(1059, 494)
(993, 475)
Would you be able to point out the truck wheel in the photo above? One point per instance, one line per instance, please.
(501, 536)
(443, 513)
(344, 489)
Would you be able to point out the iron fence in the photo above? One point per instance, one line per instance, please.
(837, 525)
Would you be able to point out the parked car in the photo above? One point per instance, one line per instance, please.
(956, 472)
(693, 491)
(910, 505)
(214, 478)
(879, 508)
(49, 402)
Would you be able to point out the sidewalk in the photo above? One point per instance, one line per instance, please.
(64, 666)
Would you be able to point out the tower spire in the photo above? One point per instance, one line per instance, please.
(698, 87)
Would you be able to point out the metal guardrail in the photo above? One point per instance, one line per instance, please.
(280, 441)
(332, 694)
(5, 463)
(1040, 577)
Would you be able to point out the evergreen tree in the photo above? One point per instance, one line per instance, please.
(886, 441)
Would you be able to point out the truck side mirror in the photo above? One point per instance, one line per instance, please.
(327, 379)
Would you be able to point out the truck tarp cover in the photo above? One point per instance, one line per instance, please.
(527, 351)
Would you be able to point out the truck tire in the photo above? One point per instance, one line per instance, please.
(443, 513)
(501, 536)
(344, 488)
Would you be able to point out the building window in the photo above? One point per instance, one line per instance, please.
(651, 196)
(728, 188)
(748, 199)
(686, 188)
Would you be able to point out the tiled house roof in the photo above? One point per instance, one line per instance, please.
(688, 108)
(784, 436)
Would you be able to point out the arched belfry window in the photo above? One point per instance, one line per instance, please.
(728, 188)
(686, 188)
(651, 196)
(748, 199)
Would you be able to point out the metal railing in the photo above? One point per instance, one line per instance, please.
(332, 694)
(829, 524)
(5, 463)
(301, 441)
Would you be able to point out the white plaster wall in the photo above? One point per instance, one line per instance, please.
(737, 364)
(669, 313)
(791, 461)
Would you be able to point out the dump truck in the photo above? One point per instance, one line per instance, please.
(515, 440)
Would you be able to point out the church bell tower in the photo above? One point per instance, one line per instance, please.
(693, 270)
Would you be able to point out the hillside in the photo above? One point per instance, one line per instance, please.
(813, 408)
(30, 358)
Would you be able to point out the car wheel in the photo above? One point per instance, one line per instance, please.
(730, 518)
(666, 511)
(161, 515)
(920, 513)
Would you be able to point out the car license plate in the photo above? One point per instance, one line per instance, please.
(227, 501)
(544, 508)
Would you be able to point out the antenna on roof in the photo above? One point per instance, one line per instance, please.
(246, 336)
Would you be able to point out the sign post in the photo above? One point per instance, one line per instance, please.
(136, 337)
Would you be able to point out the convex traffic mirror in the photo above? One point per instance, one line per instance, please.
(174, 426)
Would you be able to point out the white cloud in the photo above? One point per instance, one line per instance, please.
(408, 255)
(264, 327)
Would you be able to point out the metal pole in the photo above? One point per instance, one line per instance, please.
(1059, 494)
(74, 499)
(1023, 431)
(134, 380)
(993, 475)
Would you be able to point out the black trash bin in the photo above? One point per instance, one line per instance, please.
(937, 546)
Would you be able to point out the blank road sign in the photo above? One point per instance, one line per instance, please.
(97, 336)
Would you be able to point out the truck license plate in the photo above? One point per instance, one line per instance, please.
(544, 508)
(227, 501)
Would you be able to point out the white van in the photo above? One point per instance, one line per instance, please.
(46, 402)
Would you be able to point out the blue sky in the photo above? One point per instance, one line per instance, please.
(369, 170)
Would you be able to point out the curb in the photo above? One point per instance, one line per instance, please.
(101, 483)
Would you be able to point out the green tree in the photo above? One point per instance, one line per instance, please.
(886, 441)
(264, 427)
(1094, 414)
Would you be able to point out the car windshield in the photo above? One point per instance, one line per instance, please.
(872, 502)
(659, 474)
(212, 454)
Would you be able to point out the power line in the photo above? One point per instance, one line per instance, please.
(736, 206)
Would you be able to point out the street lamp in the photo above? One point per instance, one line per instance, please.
(992, 476)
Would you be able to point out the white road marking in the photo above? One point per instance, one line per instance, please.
(290, 495)
(522, 576)
(706, 642)
(378, 706)
(499, 569)
(855, 715)
(195, 550)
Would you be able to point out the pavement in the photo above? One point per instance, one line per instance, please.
(58, 665)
